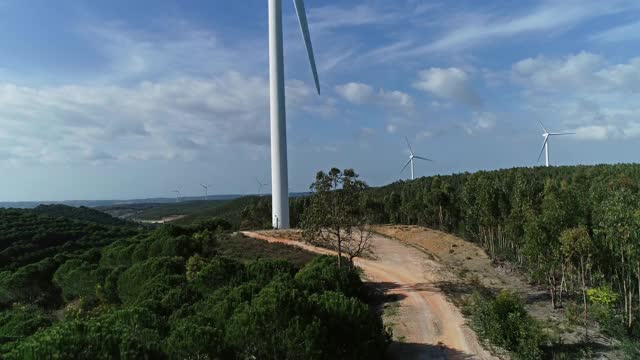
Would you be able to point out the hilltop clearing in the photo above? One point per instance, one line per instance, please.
(425, 324)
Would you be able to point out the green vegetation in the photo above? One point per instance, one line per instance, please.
(81, 213)
(192, 211)
(503, 322)
(97, 291)
(333, 218)
(570, 229)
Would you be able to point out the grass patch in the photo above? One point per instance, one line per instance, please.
(391, 309)
(247, 249)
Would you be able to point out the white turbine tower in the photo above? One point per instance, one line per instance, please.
(260, 186)
(412, 156)
(206, 191)
(177, 192)
(545, 145)
(279, 171)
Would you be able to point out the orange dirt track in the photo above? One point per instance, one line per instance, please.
(427, 325)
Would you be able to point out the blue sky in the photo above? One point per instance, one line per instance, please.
(120, 99)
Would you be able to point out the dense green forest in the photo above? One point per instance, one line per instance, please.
(573, 230)
(73, 286)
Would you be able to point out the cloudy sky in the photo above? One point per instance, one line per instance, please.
(120, 99)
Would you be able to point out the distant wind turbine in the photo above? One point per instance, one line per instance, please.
(412, 156)
(545, 145)
(206, 191)
(260, 186)
(178, 195)
(279, 170)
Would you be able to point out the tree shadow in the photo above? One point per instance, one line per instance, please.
(557, 349)
(458, 291)
(410, 351)
(540, 296)
(380, 293)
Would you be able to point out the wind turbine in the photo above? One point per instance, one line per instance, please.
(178, 195)
(206, 191)
(412, 156)
(545, 145)
(279, 171)
(260, 186)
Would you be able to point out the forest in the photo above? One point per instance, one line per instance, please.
(573, 230)
(73, 285)
(70, 278)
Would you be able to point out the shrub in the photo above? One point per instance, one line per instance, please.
(323, 274)
(30, 284)
(149, 278)
(189, 340)
(218, 273)
(131, 333)
(277, 324)
(107, 292)
(263, 271)
(76, 278)
(349, 329)
(504, 322)
(21, 321)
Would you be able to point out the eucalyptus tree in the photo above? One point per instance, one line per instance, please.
(333, 217)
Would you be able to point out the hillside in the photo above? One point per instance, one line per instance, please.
(77, 289)
(151, 211)
(571, 231)
(189, 212)
(79, 213)
(28, 236)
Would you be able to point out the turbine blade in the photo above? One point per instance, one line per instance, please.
(304, 27)
(543, 128)
(422, 158)
(543, 145)
(409, 145)
(408, 162)
(561, 134)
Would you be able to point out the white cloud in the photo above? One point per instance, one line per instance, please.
(181, 93)
(449, 84)
(583, 92)
(626, 32)
(180, 118)
(179, 49)
(391, 128)
(549, 15)
(594, 132)
(574, 72)
(331, 16)
(360, 94)
(396, 98)
(584, 73)
(356, 93)
(467, 30)
(481, 120)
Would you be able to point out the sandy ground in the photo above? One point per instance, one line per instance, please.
(466, 260)
(425, 324)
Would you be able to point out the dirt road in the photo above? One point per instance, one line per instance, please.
(425, 324)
